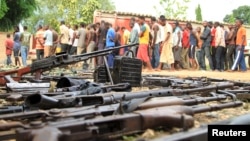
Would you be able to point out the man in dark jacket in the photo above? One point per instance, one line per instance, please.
(205, 49)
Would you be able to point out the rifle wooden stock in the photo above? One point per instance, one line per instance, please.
(109, 127)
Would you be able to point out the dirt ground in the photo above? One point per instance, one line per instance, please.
(239, 76)
(200, 119)
(203, 118)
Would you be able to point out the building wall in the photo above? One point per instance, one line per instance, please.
(2, 49)
(122, 19)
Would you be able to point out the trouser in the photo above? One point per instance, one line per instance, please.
(73, 50)
(225, 59)
(205, 51)
(39, 54)
(81, 50)
(220, 58)
(53, 49)
(185, 58)
(9, 59)
(213, 54)
(134, 50)
(199, 57)
(230, 55)
(239, 59)
(118, 51)
(69, 49)
(64, 47)
(110, 59)
(24, 55)
(100, 58)
(90, 48)
(47, 50)
(155, 56)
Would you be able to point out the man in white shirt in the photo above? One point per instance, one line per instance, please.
(71, 36)
(167, 45)
(136, 25)
(220, 45)
(156, 40)
(64, 37)
(48, 37)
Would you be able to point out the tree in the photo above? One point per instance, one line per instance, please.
(107, 5)
(88, 10)
(242, 12)
(3, 8)
(229, 18)
(198, 13)
(72, 11)
(17, 11)
(174, 8)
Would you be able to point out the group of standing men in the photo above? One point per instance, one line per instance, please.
(182, 47)
(223, 48)
(19, 46)
(160, 43)
(80, 39)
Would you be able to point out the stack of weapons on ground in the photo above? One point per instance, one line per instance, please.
(79, 110)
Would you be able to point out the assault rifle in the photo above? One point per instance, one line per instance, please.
(44, 102)
(55, 61)
(109, 127)
(173, 82)
(92, 111)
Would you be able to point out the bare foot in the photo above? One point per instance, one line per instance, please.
(157, 69)
(172, 70)
(149, 70)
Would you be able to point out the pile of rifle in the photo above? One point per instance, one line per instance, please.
(82, 110)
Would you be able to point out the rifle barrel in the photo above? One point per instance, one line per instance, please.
(113, 98)
(105, 50)
(202, 109)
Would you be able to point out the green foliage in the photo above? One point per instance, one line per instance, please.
(174, 8)
(88, 10)
(3, 8)
(229, 18)
(242, 12)
(107, 5)
(198, 13)
(71, 11)
(18, 10)
(128, 138)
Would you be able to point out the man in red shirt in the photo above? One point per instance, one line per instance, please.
(213, 32)
(9, 43)
(185, 48)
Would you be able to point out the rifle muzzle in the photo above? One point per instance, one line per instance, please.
(41, 101)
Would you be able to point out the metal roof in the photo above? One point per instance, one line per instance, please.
(149, 16)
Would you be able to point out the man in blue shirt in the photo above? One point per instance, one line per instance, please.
(110, 43)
